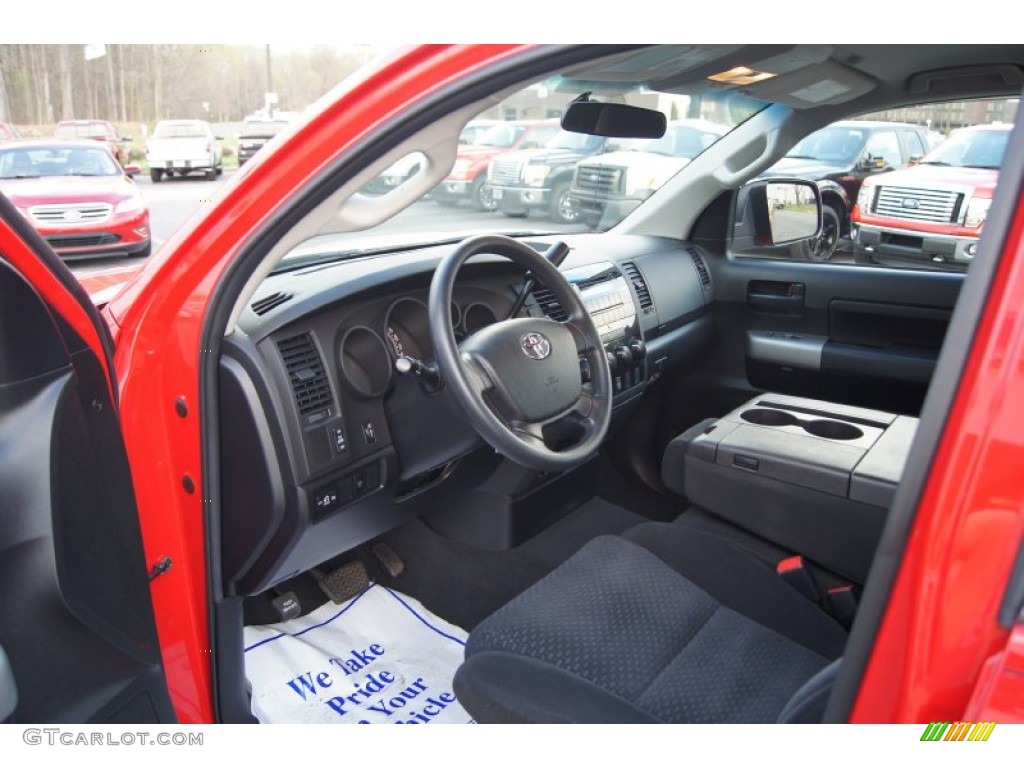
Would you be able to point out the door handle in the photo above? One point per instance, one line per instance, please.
(772, 297)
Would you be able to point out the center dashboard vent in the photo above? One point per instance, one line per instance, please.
(548, 304)
(305, 373)
(643, 293)
(702, 268)
(267, 303)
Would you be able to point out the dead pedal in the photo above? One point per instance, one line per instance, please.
(344, 583)
(386, 556)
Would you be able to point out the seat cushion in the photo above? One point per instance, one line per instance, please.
(619, 634)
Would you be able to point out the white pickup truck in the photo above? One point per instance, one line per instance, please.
(183, 147)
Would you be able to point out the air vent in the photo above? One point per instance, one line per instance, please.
(267, 303)
(548, 304)
(702, 268)
(643, 294)
(305, 373)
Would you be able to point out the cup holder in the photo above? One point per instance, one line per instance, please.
(769, 417)
(827, 428)
(833, 430)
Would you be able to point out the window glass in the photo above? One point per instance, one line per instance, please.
(885, 145)
(929, 215)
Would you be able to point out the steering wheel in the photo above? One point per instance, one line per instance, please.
(520, 378)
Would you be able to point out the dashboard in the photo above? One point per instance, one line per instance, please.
(333, 427)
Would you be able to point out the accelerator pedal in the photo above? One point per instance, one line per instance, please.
(343, 583)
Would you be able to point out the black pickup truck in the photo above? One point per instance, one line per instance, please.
(539, 179)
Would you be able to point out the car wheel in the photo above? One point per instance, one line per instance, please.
(481, 194)
(562, 207)
(824, 246)
(156, 175)
(211, 174)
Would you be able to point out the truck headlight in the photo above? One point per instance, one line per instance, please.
(461, 167)
(641, 185)
(864, 195)
(535, 175)
(977, 210)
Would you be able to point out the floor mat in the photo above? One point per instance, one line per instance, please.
(379, 658)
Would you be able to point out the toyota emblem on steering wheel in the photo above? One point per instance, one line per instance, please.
(535, 345)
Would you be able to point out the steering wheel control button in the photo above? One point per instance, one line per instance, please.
(536, 345)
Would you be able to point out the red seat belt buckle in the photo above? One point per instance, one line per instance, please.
(795, 573)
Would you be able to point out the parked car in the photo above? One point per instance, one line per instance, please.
(9, 132)
(77, 196)
(256, 133)
(183, 147)
(97, 130)
(626, 475)
(468, 177)
(614, 184)
(540, 178)
(934, 212)
(839, 158)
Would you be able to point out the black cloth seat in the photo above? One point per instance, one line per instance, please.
(662, 624)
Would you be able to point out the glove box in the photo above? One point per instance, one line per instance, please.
(812, 476)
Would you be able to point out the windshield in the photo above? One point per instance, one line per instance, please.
(967, 148)
(82, 131)
(262, 130)
(590, 183)
(179, 131)
(575, 142)
(38, 162)
(834, 144)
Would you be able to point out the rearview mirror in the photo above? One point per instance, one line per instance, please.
(620, 121)
(776, 212)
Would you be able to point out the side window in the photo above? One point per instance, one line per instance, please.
(915, 147)
(925, 216)
(885, 145)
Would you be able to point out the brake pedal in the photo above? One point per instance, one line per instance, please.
(386, 556)
(344, 583)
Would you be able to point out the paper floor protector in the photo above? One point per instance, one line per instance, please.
(381, 657)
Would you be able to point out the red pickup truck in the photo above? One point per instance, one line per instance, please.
(932, 213)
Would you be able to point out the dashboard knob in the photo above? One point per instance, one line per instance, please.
(586, 375)
(638, 349)
(624, 356)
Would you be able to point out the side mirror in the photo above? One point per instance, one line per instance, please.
(132, 170)
(776, 212)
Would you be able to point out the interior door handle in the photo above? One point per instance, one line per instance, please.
(8, 688)
(773, 297)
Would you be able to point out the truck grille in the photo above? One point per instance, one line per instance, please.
(935, 205)
(598, 178)
(504, 172)
(75, 213)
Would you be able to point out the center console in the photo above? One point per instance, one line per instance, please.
(609, 300)
(809, 475)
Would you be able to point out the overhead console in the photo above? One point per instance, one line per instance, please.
(813, 476)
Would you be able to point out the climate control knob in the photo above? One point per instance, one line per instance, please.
(638, 349)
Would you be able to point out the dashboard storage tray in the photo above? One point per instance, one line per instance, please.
(812, 476)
